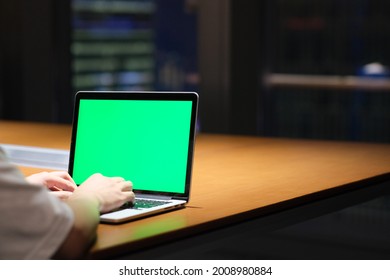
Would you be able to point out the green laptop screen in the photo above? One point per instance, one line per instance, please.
(145, 142)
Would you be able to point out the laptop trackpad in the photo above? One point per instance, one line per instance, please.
(121, 214)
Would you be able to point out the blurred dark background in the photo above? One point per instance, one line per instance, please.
(306, 69)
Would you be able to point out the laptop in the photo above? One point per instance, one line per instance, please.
(145, 137)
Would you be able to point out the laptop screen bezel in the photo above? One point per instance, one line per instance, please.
(142, 95)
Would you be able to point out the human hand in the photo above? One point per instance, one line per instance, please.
(54, 181)
(63, 195)
(110, 192)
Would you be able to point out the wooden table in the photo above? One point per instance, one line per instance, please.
(235, 179)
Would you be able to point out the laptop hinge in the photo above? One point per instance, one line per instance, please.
(180, 198)
(162, 197)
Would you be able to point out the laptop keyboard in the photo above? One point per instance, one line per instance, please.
(144, 203)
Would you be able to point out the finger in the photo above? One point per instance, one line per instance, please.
(54, 188)
(63, 174)
(62, 184)
(118, 179)
(130, 197)
(127, 186)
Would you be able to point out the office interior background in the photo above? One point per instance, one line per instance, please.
(316, 69)
(306, 69)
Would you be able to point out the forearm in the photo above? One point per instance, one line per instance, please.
(98, 194)
(83, 232)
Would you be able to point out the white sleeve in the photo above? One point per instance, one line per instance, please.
(33, 223)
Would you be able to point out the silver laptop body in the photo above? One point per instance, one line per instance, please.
(145, 137)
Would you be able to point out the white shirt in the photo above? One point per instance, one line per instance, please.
(33, 223)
